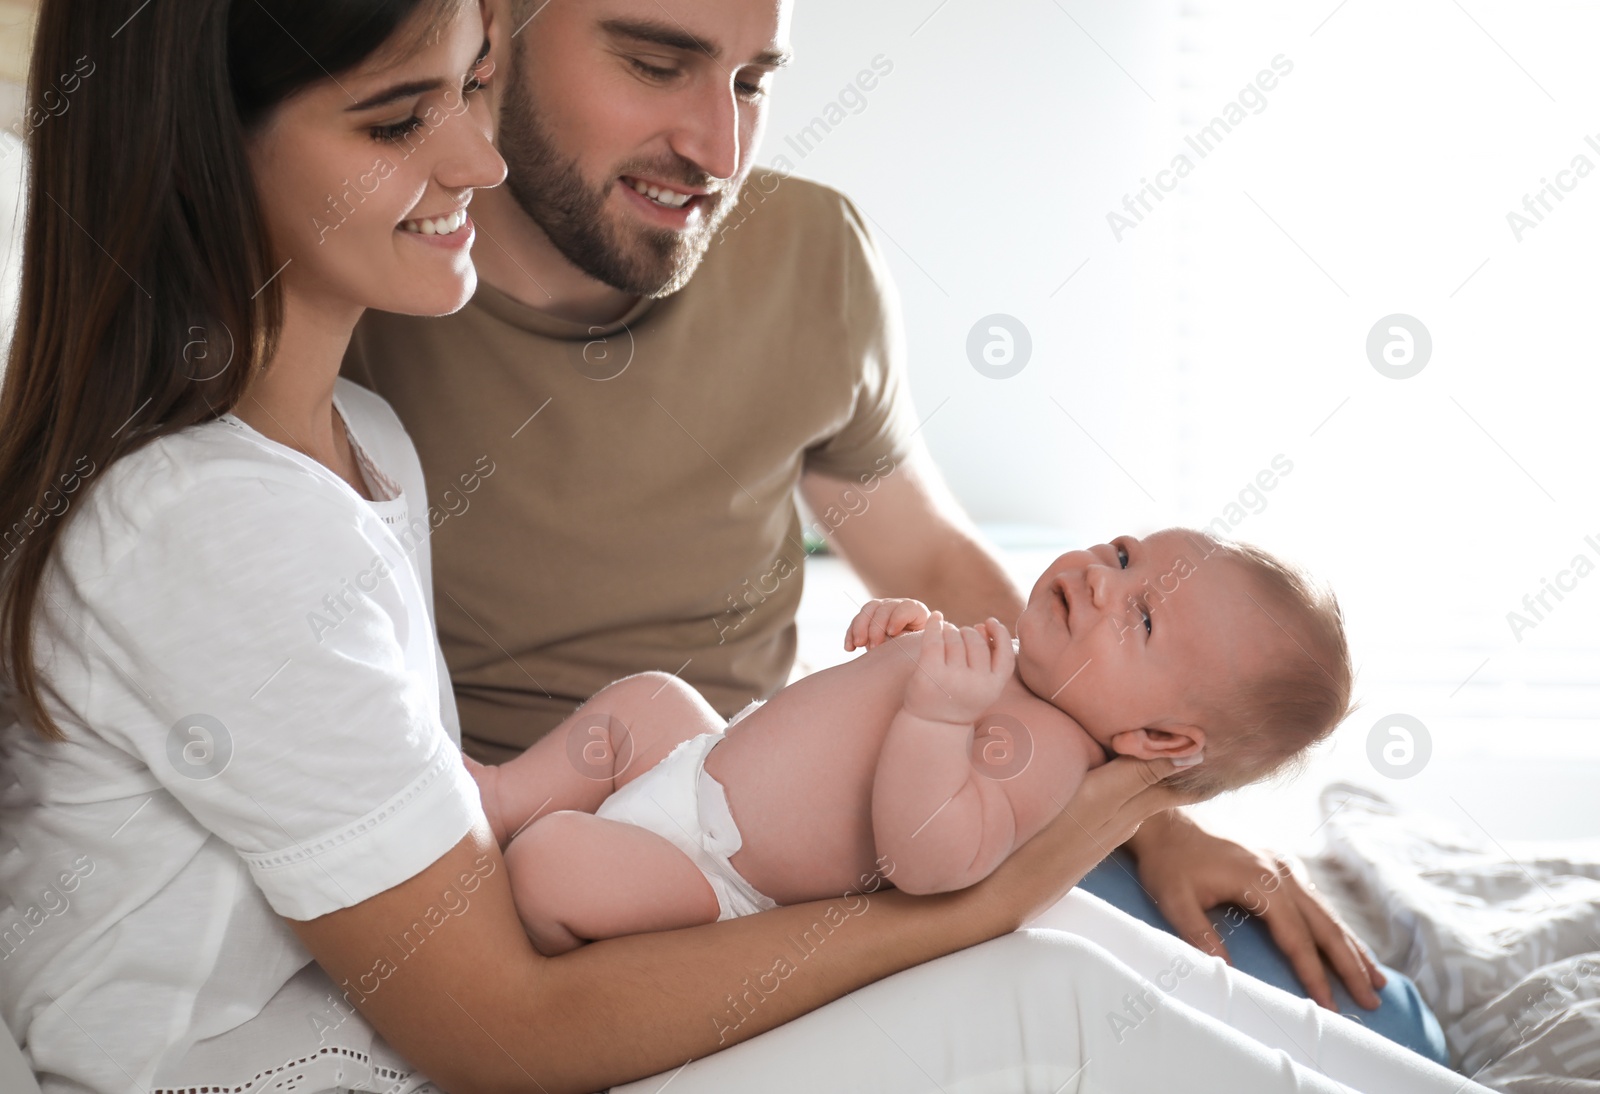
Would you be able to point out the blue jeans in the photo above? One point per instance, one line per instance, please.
(1401, 1016)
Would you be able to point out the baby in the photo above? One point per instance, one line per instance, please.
(926, 761)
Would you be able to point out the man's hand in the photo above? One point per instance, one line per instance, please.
(960, 671)
(1187, 870)
(880, 620)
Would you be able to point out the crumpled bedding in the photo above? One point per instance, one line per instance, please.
(1503, 940)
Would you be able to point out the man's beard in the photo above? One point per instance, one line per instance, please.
(551, 190)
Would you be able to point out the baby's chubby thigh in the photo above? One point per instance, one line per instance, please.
(576, 877)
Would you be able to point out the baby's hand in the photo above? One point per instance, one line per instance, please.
(960, 672)
(880, 620)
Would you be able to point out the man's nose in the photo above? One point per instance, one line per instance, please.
(709, 134)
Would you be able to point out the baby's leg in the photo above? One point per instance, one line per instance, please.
(623, 731)
(576, 877)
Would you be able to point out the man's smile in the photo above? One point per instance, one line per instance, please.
(668, 197)
(671, 205)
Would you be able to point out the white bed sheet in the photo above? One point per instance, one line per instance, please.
(1502, 939)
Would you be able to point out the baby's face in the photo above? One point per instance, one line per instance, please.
(1123, 635)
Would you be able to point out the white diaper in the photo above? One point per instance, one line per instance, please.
(680, 802)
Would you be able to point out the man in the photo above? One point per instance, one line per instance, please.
(664, 346)
(650, 380)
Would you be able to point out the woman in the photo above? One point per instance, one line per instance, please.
(238, 835)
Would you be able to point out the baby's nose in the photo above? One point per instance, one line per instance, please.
(1096, 578)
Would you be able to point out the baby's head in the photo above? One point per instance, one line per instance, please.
(1184, 646)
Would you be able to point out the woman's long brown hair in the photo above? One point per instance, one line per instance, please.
(148, 298)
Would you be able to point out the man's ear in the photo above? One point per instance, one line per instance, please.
(1168, 743)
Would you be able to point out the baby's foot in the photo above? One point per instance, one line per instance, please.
(487, 777)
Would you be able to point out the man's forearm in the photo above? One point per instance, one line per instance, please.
(1157, 829)
(969, 585)
(914, 541)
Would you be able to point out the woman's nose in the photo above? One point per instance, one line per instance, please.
(472, 162)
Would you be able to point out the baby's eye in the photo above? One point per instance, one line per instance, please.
(1122, 555)
(1134, 607)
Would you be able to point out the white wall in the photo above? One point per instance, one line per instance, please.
(983, 160)
(1229, 325)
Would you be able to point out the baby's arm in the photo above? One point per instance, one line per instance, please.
(880, 620)
(940, 824)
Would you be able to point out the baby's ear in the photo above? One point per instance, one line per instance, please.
(1173, 742)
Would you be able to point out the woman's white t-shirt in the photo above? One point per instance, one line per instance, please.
(241, 651)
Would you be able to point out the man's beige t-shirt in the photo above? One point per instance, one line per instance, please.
(608, 500)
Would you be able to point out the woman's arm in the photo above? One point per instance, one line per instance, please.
(465, 997)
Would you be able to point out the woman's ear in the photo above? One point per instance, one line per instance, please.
(1168, 743)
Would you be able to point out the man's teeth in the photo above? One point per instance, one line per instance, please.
(662, 196)
(440, 226)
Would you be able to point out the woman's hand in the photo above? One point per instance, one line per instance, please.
(1187, 870)
(1111, 803)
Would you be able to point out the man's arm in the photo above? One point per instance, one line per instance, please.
(907, 536)
(1188, 870)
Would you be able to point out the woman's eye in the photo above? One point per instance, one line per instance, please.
(397, 131)
(1122, 556)
(1148, 627)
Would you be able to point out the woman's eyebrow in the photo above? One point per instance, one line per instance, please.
(396, 93)
(410, 89)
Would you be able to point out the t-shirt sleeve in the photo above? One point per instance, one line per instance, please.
(880, 431)
(267, 654)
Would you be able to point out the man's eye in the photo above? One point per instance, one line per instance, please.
(655, 72)
(1122, 555)
(482, 72)
(750, 90)
(479, 79)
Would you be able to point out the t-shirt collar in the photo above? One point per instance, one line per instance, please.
(534, 321)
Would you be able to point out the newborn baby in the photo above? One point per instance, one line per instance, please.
(926, 761)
